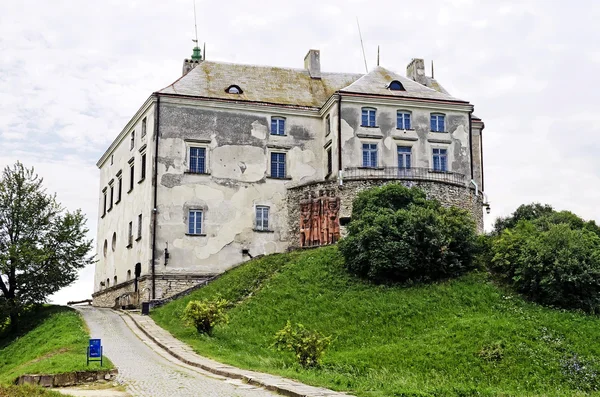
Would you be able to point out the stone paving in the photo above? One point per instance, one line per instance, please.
(184, 353)
(147, 371)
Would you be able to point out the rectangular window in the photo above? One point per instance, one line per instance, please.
(143, 170)
(404, 156)
(112, 196)
(119, 188)
(440, 160)
(277, 126)
(130, 235)
(131, 176)
(403, 120)
(369, 155)
(198, 160)
(438, 123)
(329, 162)
(262, 217)
(139, 231)
(143, 127)
(368, 117)
(327, 125)
(195, 222)
(104, 207)
(132, 140)
(277, 165)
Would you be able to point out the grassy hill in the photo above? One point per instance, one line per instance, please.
(54, 341)
(463, 337)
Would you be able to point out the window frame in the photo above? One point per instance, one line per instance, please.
(131, 176)
(144, 126)
(405, 153)
(401, 86)
(105, 193)
(441, 156)
(329, 157)
(370, 150)
(263, 209)
(280, 122)
(111, 188)
(285, 167)
(130, 235)
(371, 121)
(132, 140)
(437, 122)
(234, 86)
(142, 167)
(139, 228)
(119, 187)
(328, 125)
(195, 232)
(404, 113)
(204, 148)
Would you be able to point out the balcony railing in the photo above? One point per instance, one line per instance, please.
(415, 174)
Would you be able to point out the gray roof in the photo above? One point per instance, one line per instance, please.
(290, 86)
(377, 80)
(260, 84)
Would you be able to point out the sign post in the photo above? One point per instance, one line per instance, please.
(94, 351)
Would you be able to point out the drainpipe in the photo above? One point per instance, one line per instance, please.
(339, 139)
(154, 207)
(471, 141)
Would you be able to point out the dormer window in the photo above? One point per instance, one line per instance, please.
(396, 86)
(234, 89)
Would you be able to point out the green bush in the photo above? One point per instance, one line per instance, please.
(308, 346)
(205, 314)
(553, 264)
(397, 235)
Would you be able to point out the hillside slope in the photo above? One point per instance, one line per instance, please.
(56, 342)
(456, 338)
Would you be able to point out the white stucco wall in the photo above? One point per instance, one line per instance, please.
(138, 201)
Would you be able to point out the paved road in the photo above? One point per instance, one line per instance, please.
(150, 372)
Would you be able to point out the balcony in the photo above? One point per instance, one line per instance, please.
(412, 174)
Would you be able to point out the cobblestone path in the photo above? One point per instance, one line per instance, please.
(147, 373)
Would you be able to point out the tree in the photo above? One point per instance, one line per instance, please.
(397, 235)
(41, 245)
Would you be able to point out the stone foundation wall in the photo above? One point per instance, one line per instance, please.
(167, 285)
(446, 193)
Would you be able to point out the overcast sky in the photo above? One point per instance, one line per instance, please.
(73, 72)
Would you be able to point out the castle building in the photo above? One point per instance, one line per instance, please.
(233, 161)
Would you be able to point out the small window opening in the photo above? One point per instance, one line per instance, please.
(234, 89)
(396, 86)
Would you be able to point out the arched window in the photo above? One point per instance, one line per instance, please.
(234, 89)
(107, 282)
(438, 122)
(403, 121)
(105, 249)
(128, 275)
(396, 86)
(115, 283)
(368, 117)
(114, 242)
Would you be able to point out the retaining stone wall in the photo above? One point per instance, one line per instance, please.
(447, 194)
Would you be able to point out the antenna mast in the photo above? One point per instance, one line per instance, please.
(362, 46)
(196, 55)
(195, 23)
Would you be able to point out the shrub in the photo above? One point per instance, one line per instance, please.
(308, 346)
(398, 235)
(552, 264)
(205, 314)
(493, 352)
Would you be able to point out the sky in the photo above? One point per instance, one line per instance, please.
(73, 72)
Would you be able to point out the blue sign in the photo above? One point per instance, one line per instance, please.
(94, 350)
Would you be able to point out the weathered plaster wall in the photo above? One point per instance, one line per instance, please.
(119, 260)
(238, 145)
(420, 138)
(446, 194)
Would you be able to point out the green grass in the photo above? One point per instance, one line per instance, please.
(54, 341)
(26, 391)
(391, 341)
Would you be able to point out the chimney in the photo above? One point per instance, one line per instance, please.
(416, 71)
(312, 63)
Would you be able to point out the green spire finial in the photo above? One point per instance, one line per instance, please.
(197, 54)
